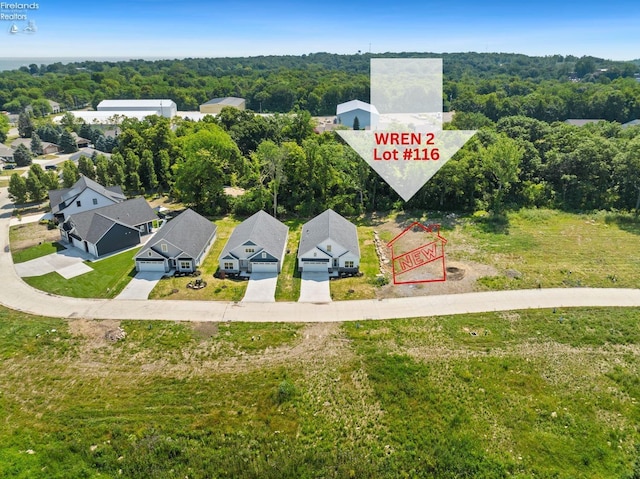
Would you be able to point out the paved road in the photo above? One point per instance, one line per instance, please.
(16, 294)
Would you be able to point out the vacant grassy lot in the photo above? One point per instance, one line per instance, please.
(556, 249)
(108, 278)
(32, 240)
(521, 394)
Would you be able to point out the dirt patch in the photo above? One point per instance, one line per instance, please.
(95, 333)
(233, 192)
(460, 283)
(32, 234)
(205, 330)
(165, 202)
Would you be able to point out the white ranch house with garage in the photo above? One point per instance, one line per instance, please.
(257, 245)
(329, 244)
(181, 244)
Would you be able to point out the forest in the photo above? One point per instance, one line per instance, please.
(523, 154)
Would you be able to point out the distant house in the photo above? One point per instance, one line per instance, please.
(55, 106)
(257, 245)
(84, 195)
(160, 107)
(109, 229)
(181, 244)
(6, 154)
(346, 114)
(47, 148)
(88, 153)
(582, 121)
(215, 105)
(81, 142)
(329, 243)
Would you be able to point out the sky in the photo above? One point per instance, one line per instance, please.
(195, 28)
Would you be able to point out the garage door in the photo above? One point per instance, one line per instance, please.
(150, 265)
(310, 266)
(264, 267)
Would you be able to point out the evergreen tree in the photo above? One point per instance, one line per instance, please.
(25, 125)
(22, 156)
(18, 189)
(68, 143)
(36, 144)
(356, 123)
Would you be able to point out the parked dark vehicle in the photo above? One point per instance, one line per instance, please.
(9, 167)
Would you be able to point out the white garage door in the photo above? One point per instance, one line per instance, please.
(264, 267)
(150, 265)
(310, 266)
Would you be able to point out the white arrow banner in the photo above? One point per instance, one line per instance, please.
(406, 145)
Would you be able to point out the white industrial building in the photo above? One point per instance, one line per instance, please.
(162, 107)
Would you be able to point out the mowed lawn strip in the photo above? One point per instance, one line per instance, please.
(109, 277)
(288, 285)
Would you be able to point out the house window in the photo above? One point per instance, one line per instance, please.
(78, 204)
(328, 248)
(348, 264)
(95, 201)
(228, 266)
(185, 265)
(149, 253)
(164, 248)
(264, 255)
(250, 250)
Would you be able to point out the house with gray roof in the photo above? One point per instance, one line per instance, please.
(216, 105)
(84, 195)
(111, 228)
(6, 153)
(181, 244)
(257, 245)
(329, 243)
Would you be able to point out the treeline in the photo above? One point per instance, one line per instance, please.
(286, 168)
(547, 88)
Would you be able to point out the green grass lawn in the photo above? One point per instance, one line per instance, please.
(108, 278)
(216, 289)
(556, 249)
(513, 394)
(288, 286)
(36, 251)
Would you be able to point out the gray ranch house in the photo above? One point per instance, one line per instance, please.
(257, 245)
(329, 243)
(181, 244)
(109, 229)
(84, 195)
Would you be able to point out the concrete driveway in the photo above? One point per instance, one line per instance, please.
(261, 288)
(141, 285)
(314, 288)
(68, 263)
